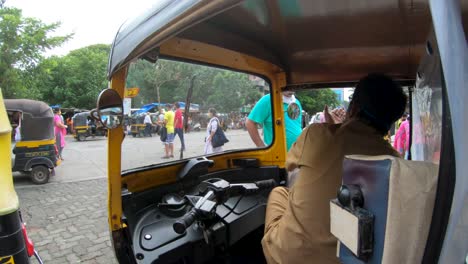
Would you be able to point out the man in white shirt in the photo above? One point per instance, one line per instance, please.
(148, 123)
(161, 116)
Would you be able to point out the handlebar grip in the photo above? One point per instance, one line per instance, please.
(187, 220)
(266, 184)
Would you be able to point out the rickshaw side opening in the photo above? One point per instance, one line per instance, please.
(35, 150)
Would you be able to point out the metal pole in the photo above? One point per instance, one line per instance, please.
(187, 109)
(410, 95)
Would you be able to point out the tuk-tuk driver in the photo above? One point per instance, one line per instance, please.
(297, 221)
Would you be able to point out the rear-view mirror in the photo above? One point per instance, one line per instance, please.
(109, 109)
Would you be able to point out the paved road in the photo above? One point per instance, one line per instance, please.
(68, 221)
(67, 218)
(88, 159)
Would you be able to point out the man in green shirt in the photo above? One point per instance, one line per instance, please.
(261, 114)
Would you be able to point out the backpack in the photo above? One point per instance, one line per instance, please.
(219, 138)
(163, 135)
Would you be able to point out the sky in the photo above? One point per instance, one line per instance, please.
(91, 21)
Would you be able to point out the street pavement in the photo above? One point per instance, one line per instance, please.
(68, 221)
(87, 160)
(67, 218)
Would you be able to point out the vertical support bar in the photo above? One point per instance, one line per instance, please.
(278, 116)
(410, 92)
(114, 160)
(188, 101)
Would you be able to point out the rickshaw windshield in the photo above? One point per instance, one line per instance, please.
(215, 102)
(212, 100)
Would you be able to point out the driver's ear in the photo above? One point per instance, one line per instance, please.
(352, 111)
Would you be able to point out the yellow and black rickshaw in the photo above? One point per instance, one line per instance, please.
(84, 126)
(137, 127)
(34, 147)
(192, 210)
(136, 120)
(15, 246)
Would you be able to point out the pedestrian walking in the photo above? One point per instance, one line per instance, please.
(161, 116)
(179, 125)
(59, 129)
(169, 142)
(210, 131)
(148, 124)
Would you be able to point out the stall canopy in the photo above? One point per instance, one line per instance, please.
(149, 107)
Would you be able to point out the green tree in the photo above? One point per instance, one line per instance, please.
(314, 101)
(232, 91)
(76, 79)
(23, 40)
(223, 89)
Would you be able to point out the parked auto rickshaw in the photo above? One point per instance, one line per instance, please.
(138, 117)
(137, 127)
(189, 211)
(84, 126)
(35, 151)
(15, 246)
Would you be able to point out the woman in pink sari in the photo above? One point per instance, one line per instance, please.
(59, 128)
(401, 143)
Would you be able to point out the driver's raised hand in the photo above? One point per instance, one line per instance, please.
(336, 116)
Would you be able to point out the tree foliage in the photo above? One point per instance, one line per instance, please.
(222, 89)
(314, 101)
(23, 40)
(74, 80)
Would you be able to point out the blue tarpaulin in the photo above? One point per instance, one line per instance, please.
(193, 107)
(149, 107)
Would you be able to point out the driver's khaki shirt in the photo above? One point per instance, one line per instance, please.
(297, 228)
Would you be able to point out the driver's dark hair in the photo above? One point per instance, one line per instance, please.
(379, 101)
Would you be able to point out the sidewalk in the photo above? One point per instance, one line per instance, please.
(68, 221)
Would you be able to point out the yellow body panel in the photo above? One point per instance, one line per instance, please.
(7, 260)
(35, 144)
(137, 127)
(8, 199)
(195, 51)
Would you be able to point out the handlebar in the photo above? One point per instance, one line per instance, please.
(187, 220)
(266, 184)
(207, 205)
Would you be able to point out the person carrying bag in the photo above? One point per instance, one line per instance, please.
(215, 138)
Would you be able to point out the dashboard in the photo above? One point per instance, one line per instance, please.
(150, 217)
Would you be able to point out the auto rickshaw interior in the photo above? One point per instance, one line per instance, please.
(299, 46)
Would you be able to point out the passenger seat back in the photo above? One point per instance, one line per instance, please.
(400, 194)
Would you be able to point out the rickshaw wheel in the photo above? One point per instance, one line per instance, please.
(40, 174)
(81, 137)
